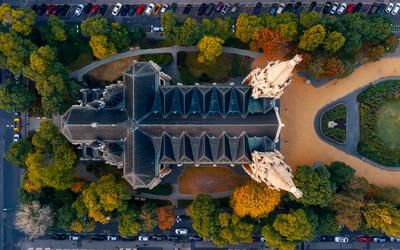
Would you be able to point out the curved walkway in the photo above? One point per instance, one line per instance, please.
(353, 123)
(301, 103)
(78, 74)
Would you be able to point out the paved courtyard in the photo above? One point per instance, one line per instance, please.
(299, 106)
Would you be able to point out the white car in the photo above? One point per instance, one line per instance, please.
(116, 9)
(78, 10)
(280, 8)
(164, 8)
(112, 238)
(16, 137)
(396, 9)
(156, 29)
(334, 8)
(74, 237)
(181, 231)
(149, 9)
(143, 238)
(225, 9)
(379, 239)
(389, 8)
(341, 8)
(392, 239)
(342, 239)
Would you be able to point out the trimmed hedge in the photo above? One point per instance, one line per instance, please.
(163, 59)
(337, 114)
(162, 189)
(370, 101)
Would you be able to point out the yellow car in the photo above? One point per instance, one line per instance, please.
(17, 124)
(157, 9)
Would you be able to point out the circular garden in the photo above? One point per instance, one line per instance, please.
(380, 123)
(333, 123)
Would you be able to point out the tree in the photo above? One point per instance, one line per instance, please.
(254, 199)
(295, 225)
(218, 27)
(148, 217)
(315, 185)
(170, 25)
(310, 18)
(129, 223)
(189, 33)
(234, 229)
(268, 40)
(210, 48)
(33, 219)
(333, 67)
(374, 53)
(137, 34)
(274, 240)
(340, 173)
(101, 46)
(95, 26)
(83, 225)
(57, 29)
(348, 210)
(64, 217)
(119, 35)
(18, 152)
(334, 41)
(383, 216)
(327, 224)
(204, 211)
(312, 37)
(20, 20)
(15, 96)
(246, 26)
(165, 217)
(391, 43)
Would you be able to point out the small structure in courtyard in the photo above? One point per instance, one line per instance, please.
(269, 168)
(270, 81)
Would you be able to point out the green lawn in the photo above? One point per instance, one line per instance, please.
(388, 124)
(83, 59)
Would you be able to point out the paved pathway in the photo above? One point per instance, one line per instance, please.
(172, 50)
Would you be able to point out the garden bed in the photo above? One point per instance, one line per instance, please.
(379, 123)
(333, 123)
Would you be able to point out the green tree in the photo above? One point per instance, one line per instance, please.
(119, 35)
(312, 37)
(189, 33)
(340, 173)
(95, 26)
(295, 225)
(234, 229)
(383, 216)
(20, 20)
(18, 152)
(315, 184)
(57, 28)
(64, 217)
(15, 96)
(101, 46)
(315, 68)
(309, 19)
(129, 223)
(218, 27)
(210, 48)
(246, 26)
(327, 224)
(137, 34)
(148, 217)
(171, 28)
(204, 211)
(274, 240)
(334, 41)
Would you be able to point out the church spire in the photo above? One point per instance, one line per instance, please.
(270, 81)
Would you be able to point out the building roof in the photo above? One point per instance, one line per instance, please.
(157, 124)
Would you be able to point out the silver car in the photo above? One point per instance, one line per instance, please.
(78, 10)
(225, 9)
(334, 8)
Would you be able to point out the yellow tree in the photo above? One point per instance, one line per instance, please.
(210, 48)
(246, 26)
(254, 199)
(101, 46)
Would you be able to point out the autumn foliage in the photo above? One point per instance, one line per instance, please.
(254, 199)
(165, 217)
(267, 39)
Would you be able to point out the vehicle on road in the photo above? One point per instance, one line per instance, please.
(158, 237)
(112, 237)
(140, 9)
(59, 236)
(181, 231)
(334, 8)
(74, 237)
(380, 239)
(341, 239)
(202, 9)
(225, 9)
(98, 237)
(235, 8)
(257, 8)
(164, 8)
(327, 8)
(358, 8)
(124, 10)
(103, 9)
(116, 9)
(173, 238)
(143, 238)
(78, 10)
(312, 6)
(364, 238)
(16, 137)
(195, 238)
(389, 8)
(17, 125)
(341, 9)
(326, 238)
(396, 9)
(149, 9)
(187, 9)
(157, 9)
(280, 8)
(273, 9)
(374, 8)
(210, 9)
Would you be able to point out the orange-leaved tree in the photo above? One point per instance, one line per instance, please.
(267, 39)
(165, 217)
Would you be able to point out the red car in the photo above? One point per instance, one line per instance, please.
(350, 8)
(140, 9)
(94, 9)
(364, 238)
(49, 10)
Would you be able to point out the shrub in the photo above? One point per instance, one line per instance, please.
(163, 59)
(338, 115)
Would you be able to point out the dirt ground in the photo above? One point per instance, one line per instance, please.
(111, 71)
(299, 105)
(206, 180)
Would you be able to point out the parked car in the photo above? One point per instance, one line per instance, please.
(341, 239)
(56, 10)
(396, 9)
(94, 9)
(235, 8)
(140, 9)
(219, 7)
(98, 237)
(78, 10)
(374, 8)
(181, 231)
(116, 9)
(327, 8)
(87, 8)
(112, 237)
(274, 8)
(350, 8)
(334, 8)
(164, 8)
(173, 7)
(124, 10)
(143, 238)
(103, 9)
(156, 28)
(195, 238)
(157, 9)
(158, 237)
(149, 9)
(187, 9)
(59, 236)
(49, 9)
(392, 239)
(381, 9)
(380, 239)
(41, 9)
(17, 124)
(74, 237)
(180, 218)
(288, 7)
(225, 9)
(64, 10)
(132, 10)
(364, 238)
(326, 238)
(297, 8)
(312, 6)
(173, 238)
(16, 137)
(210, 9)
(341, 9)
(202, 9)
(358, 7)
(389, 8)
(280, 8)
(257, 8)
